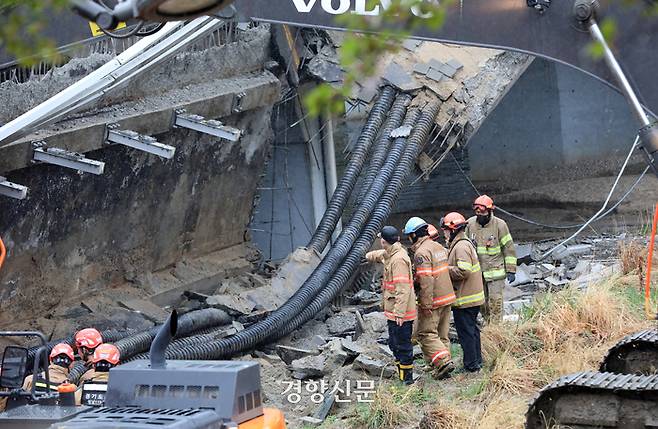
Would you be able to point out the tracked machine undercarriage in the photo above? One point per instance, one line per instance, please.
(623, 395)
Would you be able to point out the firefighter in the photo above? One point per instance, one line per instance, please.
(464, 269)
(496, 253)
(86, 341)
(61, 359)
(433, 232)
(399, 299)
(93, 390)
(435, 296)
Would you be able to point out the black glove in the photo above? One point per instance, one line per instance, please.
(511, 277)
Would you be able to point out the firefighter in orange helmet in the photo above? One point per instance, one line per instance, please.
(432, 232)
(61, 359)
(86, 342)
(464, 269)
(105, 357)
(496, 253)
(435, 295)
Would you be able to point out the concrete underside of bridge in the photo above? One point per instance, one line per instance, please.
(76, 234)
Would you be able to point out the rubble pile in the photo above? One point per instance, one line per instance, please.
(582, 263)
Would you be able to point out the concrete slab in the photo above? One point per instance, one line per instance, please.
(397, 76)
(149, 310)
(421, 68)
(411, 44)
(292, 273)
(455, 64)
(435, 75)
(148, 116)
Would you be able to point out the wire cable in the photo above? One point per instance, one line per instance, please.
(603, 207)
(545, 225)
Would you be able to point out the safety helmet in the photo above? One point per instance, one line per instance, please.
(89, 338)
(390, 234)
(413, 225)
(62, 349)
(453, 221)
(107, 352)
(432, 232)
(484, 201)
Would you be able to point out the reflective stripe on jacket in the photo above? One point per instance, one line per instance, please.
(56, 374)
(399, 298)
(465, 273)
(432, 277)
(495, 247)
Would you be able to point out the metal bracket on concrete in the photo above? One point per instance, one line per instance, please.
(13, 190)
(200, 124)
(138, 141)
(237, 102)
(64, 158)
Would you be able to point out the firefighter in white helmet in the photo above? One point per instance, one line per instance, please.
(435, 296)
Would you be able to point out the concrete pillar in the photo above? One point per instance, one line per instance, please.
(331, 177)
(312, 135)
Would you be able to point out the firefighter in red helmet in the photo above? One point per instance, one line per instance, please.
(106, 356)
(61, 359)
(495, 249)
(86, 342)
(464, 269)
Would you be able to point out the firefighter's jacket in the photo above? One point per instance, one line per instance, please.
(88, 375)
(399, 298)
(465, 273)
(92, 391)
(56, 374)
(495, 247)
(431, 274)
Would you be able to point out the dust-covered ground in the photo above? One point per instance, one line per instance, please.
(564, 204)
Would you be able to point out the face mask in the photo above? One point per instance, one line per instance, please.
(484, 219)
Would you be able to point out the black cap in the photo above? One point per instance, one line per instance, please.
(390, 234)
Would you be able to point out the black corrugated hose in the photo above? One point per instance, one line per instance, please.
(380, 149)
(187, 324)
(296, 315)
(263, 330)
(346, 184)
(386, 204)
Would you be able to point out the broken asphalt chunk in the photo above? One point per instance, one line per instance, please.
(290, 354)
(374, 367)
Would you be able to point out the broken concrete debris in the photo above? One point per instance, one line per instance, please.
(333, 357)
(290, 354)
(374, 367)
(342, 324)
(411, 44)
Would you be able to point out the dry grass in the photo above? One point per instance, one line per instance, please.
(560, 333)
(565, 332)
(393, 406)
(445, 416)
(633, 256)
